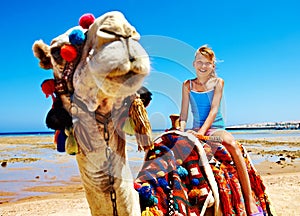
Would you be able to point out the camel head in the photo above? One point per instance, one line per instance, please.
(109, 66)
(113, 63)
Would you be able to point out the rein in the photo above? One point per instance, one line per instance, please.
(104, 120)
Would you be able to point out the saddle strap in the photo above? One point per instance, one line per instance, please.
(206, 202)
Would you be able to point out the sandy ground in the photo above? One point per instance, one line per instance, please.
(281, 177)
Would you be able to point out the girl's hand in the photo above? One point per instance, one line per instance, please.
(198, 135)
(201, 132)
(192, 132)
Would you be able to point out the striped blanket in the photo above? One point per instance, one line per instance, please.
(185, 176)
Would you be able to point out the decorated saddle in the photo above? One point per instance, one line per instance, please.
(183, 175)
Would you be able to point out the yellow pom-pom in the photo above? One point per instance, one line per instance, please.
(152, 157)
(145, 184)
(178, 161)
(160, 174)
(194, 193)
(147, 212)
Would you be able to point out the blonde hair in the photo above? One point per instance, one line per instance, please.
(209, 54)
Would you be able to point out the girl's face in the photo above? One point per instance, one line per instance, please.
(203, 66)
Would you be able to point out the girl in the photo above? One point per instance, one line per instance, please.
(204, 93)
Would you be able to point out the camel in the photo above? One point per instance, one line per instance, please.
(98, 67)
(93, 83)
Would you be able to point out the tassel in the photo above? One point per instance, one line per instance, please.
(61, 140)
(223, 189)
(235, 196)
(225, 202)
(142, 127)
(71, 144)
(256, 183)
(55, 137)
(156, 212)
(147, 212)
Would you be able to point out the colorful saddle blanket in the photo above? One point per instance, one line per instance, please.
(185, 176)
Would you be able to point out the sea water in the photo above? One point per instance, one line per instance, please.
(281, 135)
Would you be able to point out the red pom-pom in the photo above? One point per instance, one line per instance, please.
(86, 20)
(48, 87)
(68, 52)
(137, 186)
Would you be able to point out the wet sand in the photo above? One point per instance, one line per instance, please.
(278, 161)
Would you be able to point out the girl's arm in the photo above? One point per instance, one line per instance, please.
(214, 107)
(184, 104)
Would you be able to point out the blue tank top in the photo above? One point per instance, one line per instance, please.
(200, 107)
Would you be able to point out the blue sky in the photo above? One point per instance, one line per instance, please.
(256, 42)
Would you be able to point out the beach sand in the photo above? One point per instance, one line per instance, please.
(280, 170)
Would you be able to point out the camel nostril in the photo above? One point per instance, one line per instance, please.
(131, 59)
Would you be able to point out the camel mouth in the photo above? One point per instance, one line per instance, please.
(121, 76)
(127, 79)
(122, 85)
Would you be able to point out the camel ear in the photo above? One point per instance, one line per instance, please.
(42, 52)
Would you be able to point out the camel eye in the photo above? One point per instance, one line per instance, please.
(55, 52)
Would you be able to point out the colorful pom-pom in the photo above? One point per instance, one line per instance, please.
(160, 174)
(68, 52)
(137, 186)
(179, 162)
(195, 182)
(48, 87)
(86, 20)
(182, 172)
(194, 193)
(145, 191)
(76, 37)
(156, 211)
(157, 151)
(151, 157)
(147, 212)
(164, 184)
